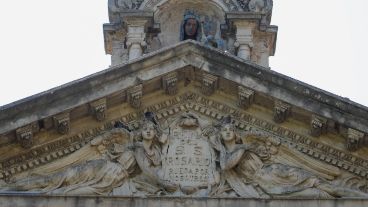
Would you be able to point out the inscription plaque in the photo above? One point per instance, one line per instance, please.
(189, 160)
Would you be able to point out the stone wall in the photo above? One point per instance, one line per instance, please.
(80, 201)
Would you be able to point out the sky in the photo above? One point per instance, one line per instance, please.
(44, 44)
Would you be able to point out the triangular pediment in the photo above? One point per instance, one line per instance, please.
(300, 127)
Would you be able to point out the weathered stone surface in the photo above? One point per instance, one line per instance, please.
(82, 201)
(216, 22)
(191, 119)
(99, 85)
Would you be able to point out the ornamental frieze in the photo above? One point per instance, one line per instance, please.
(175, 117)
(191, 155)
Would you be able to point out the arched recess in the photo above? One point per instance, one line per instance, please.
(153, 5)
(169, 14)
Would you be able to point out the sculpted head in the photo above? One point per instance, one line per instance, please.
(228, 132)
(150, 127)
(190, 27)
(148, 130)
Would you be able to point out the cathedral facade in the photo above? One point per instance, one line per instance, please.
(188, 114)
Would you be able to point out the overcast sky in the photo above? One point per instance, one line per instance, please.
(45, 43)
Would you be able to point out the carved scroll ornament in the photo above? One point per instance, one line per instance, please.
(187, 154)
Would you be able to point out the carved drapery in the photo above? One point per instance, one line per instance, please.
(174, 125)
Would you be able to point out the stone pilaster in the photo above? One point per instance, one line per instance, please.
(136, 37)
(244, 38)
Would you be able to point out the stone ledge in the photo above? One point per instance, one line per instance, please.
(27, 200)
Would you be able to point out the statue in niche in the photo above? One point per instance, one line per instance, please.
(245, 172)
(190, 27)
(109, 167)
(210, 32)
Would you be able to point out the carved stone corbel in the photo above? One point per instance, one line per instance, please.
(245, 97)
(134, 96)
(281, 111)
(318, 126)
(25, 136)
(209, 84)
(62, 123)
(354, 139)
(170, 83)
(98, 109)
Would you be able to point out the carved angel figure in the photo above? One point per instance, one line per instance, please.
(148, 153)
(94, 176)
(248, 175)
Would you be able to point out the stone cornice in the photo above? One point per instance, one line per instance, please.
(194, 102)
(188, 53)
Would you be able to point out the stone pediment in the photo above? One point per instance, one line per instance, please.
(287, 130)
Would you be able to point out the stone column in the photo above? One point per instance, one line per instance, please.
(136, 37)
(244, 38)
(264, 53)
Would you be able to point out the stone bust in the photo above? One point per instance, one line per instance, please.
(190, 27)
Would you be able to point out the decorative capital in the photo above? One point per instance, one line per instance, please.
(245, 97)
(170, 83)
(25, 136)
(354, 139)
(62, 123)
(281, 111)
(318, 126)
(98, 109)
(134, 95)
(209, 84)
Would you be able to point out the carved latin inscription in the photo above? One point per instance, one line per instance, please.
(135, 96)
(170, 84)
(25, 136)
(245, 97)
(62, 123)
(98, 109)
(189, 160)
(209, 84)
